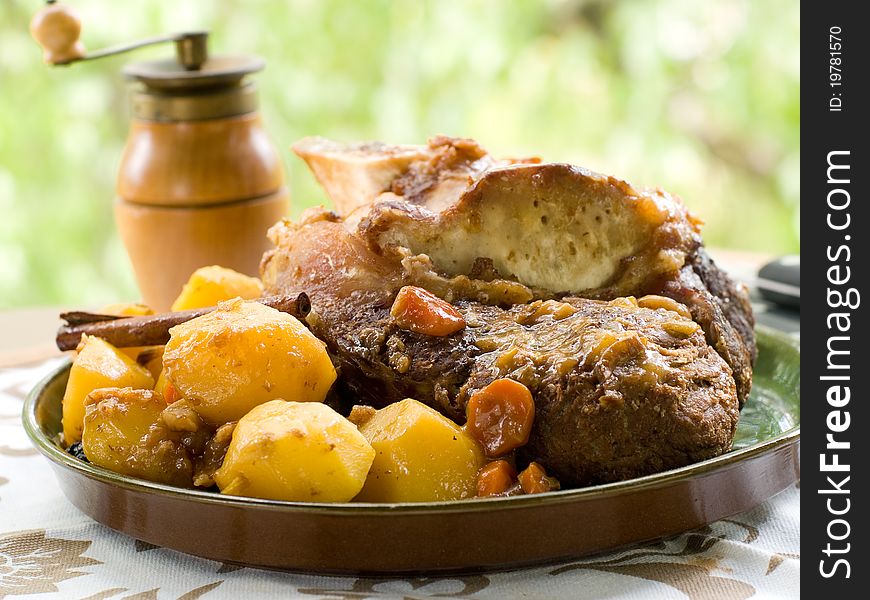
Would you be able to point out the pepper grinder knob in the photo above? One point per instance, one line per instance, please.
(57, 27)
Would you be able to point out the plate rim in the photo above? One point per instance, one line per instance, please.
(59, 457)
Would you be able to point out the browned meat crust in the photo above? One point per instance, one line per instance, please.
(550, 229)
(722, 308)
(620, 391)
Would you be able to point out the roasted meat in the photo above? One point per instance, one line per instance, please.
(620, 390)
(555, 228)
(721, 307)
(455, 215)
(597, 296)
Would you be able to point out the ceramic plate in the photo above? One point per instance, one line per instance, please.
(465, 535)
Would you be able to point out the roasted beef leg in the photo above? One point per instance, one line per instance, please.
(620, 391)
(554, 228)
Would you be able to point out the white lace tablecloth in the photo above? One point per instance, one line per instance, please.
(48, 549)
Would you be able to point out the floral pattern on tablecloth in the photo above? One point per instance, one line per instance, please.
(48, 549)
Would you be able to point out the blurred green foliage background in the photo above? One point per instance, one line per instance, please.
(701, 98)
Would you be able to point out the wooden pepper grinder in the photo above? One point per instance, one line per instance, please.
(199, 182)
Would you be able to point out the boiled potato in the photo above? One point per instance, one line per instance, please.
(295, 451)
(127, 309)
(160, 384)
(124, 432)
(210, 285)
(421, 456)
(97, 365)
(243, 354)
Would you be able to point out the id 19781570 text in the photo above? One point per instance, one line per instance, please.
(835, 68)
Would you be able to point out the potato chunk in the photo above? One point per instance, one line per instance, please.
(160, 384)
(421, 456)
(127, 309)
(295, 451)
(124, 432)
(209, 285)
(241, 355)
(98, 365)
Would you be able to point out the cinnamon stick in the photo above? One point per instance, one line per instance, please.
(153, 330)
(79, 317)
